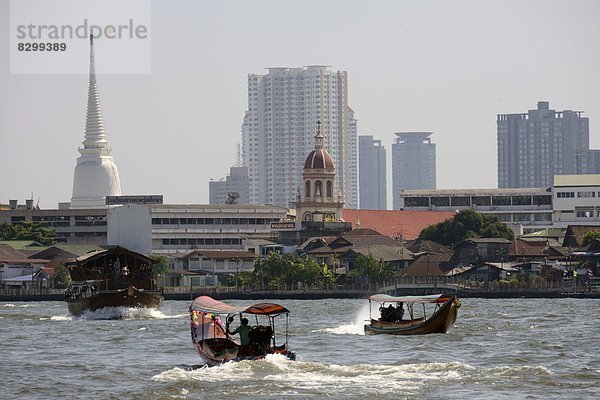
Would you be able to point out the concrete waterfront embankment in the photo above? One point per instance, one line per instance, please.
(228, 293)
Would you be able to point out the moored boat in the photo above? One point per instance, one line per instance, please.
(216, 344)
(438, 318)
(116, 277)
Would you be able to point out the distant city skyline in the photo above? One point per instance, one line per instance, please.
(435, 66)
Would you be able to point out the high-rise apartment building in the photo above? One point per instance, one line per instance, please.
(279, 126)
(372, 173)
(535, 146)
(413, 164)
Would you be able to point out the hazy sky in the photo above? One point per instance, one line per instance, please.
(444, 66)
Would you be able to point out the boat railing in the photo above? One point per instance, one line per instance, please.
(83, 291)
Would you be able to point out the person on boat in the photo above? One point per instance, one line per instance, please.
(243, 331)
(125, 271)
(388, 314)
(117, 267)
(400, 311)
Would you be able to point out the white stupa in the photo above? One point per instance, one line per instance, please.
(96, 174)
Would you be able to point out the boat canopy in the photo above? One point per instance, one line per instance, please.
(207, 304)
(432, 298)
(115, 251)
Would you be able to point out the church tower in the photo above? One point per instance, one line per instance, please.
(96, 174)
(321, 202)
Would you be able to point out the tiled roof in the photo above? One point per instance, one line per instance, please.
(369, 240)
(385, 253)
(64, 251)
(21, 244)
(432, 265)
(395, 223)
(575, 234)
(428, 246)
(8, 252)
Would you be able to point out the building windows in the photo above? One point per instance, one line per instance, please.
(565, 195)
(482, 200)
(586, 195)
(584, 212)
(501, 200)
(542, 217)
(440, 201)
(416, 202)
(542, 200)
(460, 201)
(524, 217)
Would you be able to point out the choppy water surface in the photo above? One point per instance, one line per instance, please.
(497, 349)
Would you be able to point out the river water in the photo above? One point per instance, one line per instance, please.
(497, 349)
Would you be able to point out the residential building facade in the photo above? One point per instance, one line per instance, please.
(372, 173)
(284, 106)
(413, 164)
(535, 146)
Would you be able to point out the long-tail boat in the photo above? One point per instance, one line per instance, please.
(434, 313)
(216, 344)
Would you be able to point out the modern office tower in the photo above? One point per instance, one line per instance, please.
(234, 189)
(278, 130)
(535, 146)
(372, 173)
(413, 164)
(96, 175)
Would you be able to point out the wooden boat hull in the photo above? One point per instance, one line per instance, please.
(216, 351)
(439, 322)
(129, 297)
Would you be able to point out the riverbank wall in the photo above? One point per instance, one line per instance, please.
(332, 294)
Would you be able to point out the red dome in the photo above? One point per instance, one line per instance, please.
(318, 159)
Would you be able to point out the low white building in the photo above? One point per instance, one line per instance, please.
(180, 228)
(524, 210)
(576, 200)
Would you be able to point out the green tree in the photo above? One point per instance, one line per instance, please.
(466, 224)
(61, 277)
(161, 267)
(276, 270)
(590, 237)
(28, 230)
(376, 271)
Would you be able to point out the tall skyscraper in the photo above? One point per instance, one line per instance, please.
(372, 173)
(413, 164)
(535, 146)
(283, 109)
(96, 175)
